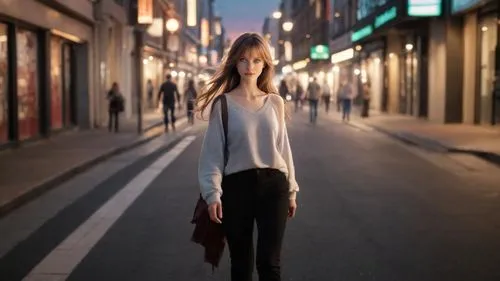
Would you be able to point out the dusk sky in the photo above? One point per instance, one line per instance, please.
(240, 16)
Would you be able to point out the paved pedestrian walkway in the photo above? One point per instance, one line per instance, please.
(30, 170)
(460, 137)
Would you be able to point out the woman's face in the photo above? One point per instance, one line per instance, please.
(250, 65)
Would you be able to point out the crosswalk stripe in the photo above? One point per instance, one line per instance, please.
(59, 264)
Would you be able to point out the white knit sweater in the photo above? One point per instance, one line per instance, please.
(256, 139)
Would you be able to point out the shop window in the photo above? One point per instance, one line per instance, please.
(368, 7)
(488, 29)
(68, 95)
(27, 84)
(4, 120)
(56, 110)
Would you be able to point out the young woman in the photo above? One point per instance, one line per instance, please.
(258, 182)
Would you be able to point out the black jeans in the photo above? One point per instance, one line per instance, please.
(113, 119)
(259, 195)
(313, 110)
(326, 99)
(166, 109)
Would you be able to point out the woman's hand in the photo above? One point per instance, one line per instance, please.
(292, 208)
(215, 212)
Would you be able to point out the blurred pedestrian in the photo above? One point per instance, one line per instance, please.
(115, 106)
(283, 89)
(326, 95)
(190, 98)
(299, 95)
(168, 95)
(365, 110)
(346, 96)
(258, 181)
(313, 95)
(150, 90)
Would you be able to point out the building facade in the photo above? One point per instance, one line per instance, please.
(412, 53)
(47, 81)
(304, 50)
(480, 31)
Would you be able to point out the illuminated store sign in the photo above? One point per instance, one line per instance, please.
(424, 8)
(342, 56)
(191, 12)
(461, 5)
(320, 52)
(362, 33)
(385, 17)
(145, 11)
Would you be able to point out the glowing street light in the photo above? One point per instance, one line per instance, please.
(287, 26)
(277, 15)
(172, 25)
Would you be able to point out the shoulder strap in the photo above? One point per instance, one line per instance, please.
(223, 106)
(225, 126)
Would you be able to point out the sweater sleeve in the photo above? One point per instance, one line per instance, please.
(286, 151)
(211, 163)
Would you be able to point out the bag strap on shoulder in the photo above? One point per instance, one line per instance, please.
(223, 103)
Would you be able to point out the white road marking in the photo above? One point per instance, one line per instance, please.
(59, 264)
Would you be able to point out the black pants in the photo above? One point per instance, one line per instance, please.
(366, 108)
(166, 109)
(113, 118)
(190, 112)
(259, 195)
(326, 99)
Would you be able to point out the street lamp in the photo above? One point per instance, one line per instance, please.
(277, 15)
(172, 25)
(287, 26)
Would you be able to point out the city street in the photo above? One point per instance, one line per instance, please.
(370, 208)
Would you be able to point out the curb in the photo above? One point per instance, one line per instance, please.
(435, 146)
(48, 184)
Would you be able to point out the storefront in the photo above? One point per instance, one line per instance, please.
(341, 62)
(391, 54)
(481, 66)
(38, 75)
(153, 78)
(372, 72)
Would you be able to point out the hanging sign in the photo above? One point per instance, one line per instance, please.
(145, 11)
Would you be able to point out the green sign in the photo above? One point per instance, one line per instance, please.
(385, 17)
(361, 33)
(320, 52)
(460, 5)
(424, 8)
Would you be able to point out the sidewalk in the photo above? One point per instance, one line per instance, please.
(29, 171)
(481, 141)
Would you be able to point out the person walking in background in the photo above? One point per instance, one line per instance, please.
(313, 95)
(115, 106)
(257, 182)
(168, 95)
(150, 90)
(299, 93)
(189, 99)
(365, 110)
(283, 89)
(346, 96)
(326, 95)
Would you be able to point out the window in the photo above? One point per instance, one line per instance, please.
(68, 95)
(56, 110)
(27, 84)
(4, 120)
(367, 7)
(488, 35)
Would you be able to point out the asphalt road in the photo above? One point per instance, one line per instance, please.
(370, 208)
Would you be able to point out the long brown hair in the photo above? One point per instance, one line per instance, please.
(227, 78)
